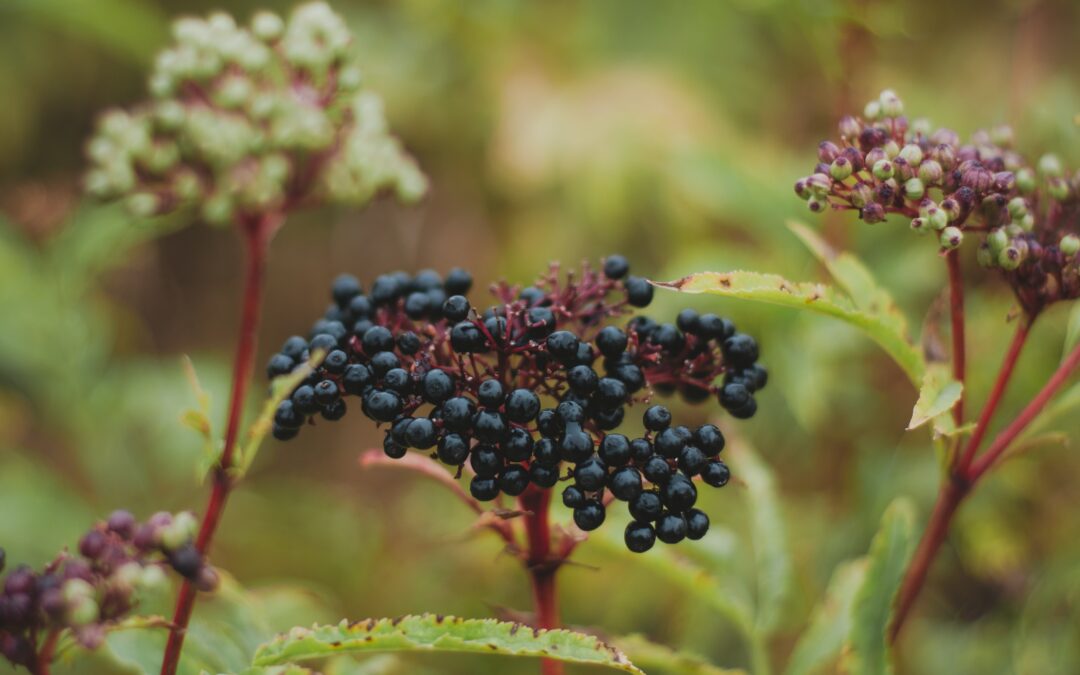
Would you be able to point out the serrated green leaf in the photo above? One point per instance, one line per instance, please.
(280, 389)
(938, 395)
(890, 551)
(431, 633)
(771, 555)
(659, 659)
(830, 623)
(820, 298)
(853, 277)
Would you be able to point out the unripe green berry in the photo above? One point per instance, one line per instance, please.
(1002, 135)
(883, 169)
(997, 240)
(930, 172)
(1018, 207)
(912, 154)
(1010, 258)
(128, 575)
(1027, 223)
(872, 111)
(82, 612)
(861, 195)
(1070, 244)
(891, 105)
(984, 256)
(1058, 189)
(267, 26)
(914, 189)
(920, 126)
(142, 204)
(951, 237)
(153, 577)
(77, 589)
(1025, 180)
(840, 168)
(816, 204)
(892, 149)
(937, 218)
(1050, 165)
(920, 225)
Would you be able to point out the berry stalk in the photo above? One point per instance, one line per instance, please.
(257, 232)
(956, 313)
(542, 567)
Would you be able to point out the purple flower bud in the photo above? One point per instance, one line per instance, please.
(93, 544)
(945, 155)
(873, 213)
(930, 172)
(850, 128)
(874, 156)
(21, 580)
(800, 189)
(945, 137)
(122, 523)
(827, 152)
(872, 137)
(861, 195)
(975, 176)
(853, 156)
(145, 537)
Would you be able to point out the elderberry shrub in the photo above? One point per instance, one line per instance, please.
(85, 593)
(531, 390)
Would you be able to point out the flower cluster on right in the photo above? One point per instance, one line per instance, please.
(1027, 217)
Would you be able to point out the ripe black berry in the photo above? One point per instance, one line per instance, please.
(295, 347)
(740, 350)
(326, 392)
(514, 479)
(656, 418)
(398, 380)
(692, 460)
(518, 446)
(453, 449)
(458, 281)
(616, 266)
(576, 444)
(456, 308)
(709, 439)
(639, 536)
(187, 561)
(582, 379)
(408, 342)
(713, 327)
(615, 450)
(287, 416)
(383, 362)
(484, 489)
(611, 341)
(457, 413)
(324, 342)
(697, 524)
(360, 307)
(382, 406)
(546, 452)
(591, 474)
(417, 305)
(344, 288)
(630, 375)
(687, 321)
(679, 494)
(657, 470)
(669, 443)
(522, 406)
(609, 419)
(639, 292)
(562, 344)
(466, 338)
(668, 338)
(541, 322)
(421, 433)
(437, 386)
(485, 461)
(570, 412)
(284, 433)
(610, 393)
(377, 339)
(716, 474)
(336, 361)
(543, 476)
(572, 497)
(490, 393)
(279, 364)
(489, 426)
(549, 423)
(641, 450)
(589, 515)
(625, 483)
(671, 528)
(334, 411)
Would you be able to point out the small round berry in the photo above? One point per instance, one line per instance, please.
(545, 451)
(398, 429)
(716, 474)
(514, 479)
(93, 544)
(324, 342)
(549, 423)
(562, 344)
(541, 322)
(360, 307)
(437, 386)
(421, 433)
(417, 305)
(294, 348)
(490, 393)
(646, 506)
(531, 296)
(334, 411)
(657, 470)
(611, 341)
(485, 461)
(610, 393)
(615, 450)
(713, 327)
(456, 308)
(543, 476)
(630, 375)
(385, 289)
(383, 362)
(668, 338)
(570, 412)
(697, 524)
(518, 446)
(496, 328)
(378, 339)
(408, 342)
(287, 416)
(591, 474)
(576, 445)
(326, 392)
(489, 426)
(671, 528)
(687, 321)
(356, 378)
(484, 489)
(585, 355)
(582, 379)
(669, 443)
(573, 496)
(344, 289)
(522, 406)
(692, 460)
(392, 448)
(458, 282)
(740, 350)
(607, 420)
(641, 450)
(120, 521)
(279, 365)
(466, 338)
(709, 438)
(656, 418)
(590, 515)
(734, 395)
(398, 380)
(336, 361)
(616, 266)
(639, 536)
(625, 483)
(187, 561)
(679, 494)
(639, 292)
(382, 406)
(283, 433)
(453, 449)
(457, 413)
(746, 411)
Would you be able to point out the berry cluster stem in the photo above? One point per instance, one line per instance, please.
(256, 232)
(967, 472)
(956, 313)
(541, 567)
(43, 661)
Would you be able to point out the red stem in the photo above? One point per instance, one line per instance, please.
(1004, 375)
(43, 660)
(256, 232)
(542, 567)
(956, 312)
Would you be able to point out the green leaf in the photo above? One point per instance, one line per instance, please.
(431, 633)
(880, 326)
(830, 623)
(1072, 333)
(771, 555)
(656, 658)
(872, 613)
(280, 389)
(938, 395)
(199, 420)
(272, 670)
(1061, 406)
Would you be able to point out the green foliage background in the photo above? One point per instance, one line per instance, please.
(671, 132)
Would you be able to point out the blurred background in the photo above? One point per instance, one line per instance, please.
(671, 133)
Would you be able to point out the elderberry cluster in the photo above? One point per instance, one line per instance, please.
(86, 593)
(530, 390)
(1027, 216)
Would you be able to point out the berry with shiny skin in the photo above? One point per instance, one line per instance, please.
(590, 515)
(590, 474)
(572, 497)
(518, 446)
(656, 418)
(543, 476)
(582, 379)
(709, 438)
(382, 406)
(484, 489)
(679, 494)
(716, 474)
(639, 292)
(697, 524)
(615, 450)
(657, 470)
(279, 365)
(453, 449)
(437, 386)
(625, 483)
(456, 308)
(485, 461)
(641, 450)
(513, 479)
(522, 406)
(489, 426)
(671, 528)
(639, 536)
(611, 341)
(616, 267)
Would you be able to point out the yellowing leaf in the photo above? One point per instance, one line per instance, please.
(937, 396)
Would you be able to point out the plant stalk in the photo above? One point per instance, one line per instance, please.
(956, 313)
(256, 233)
(541, 566)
